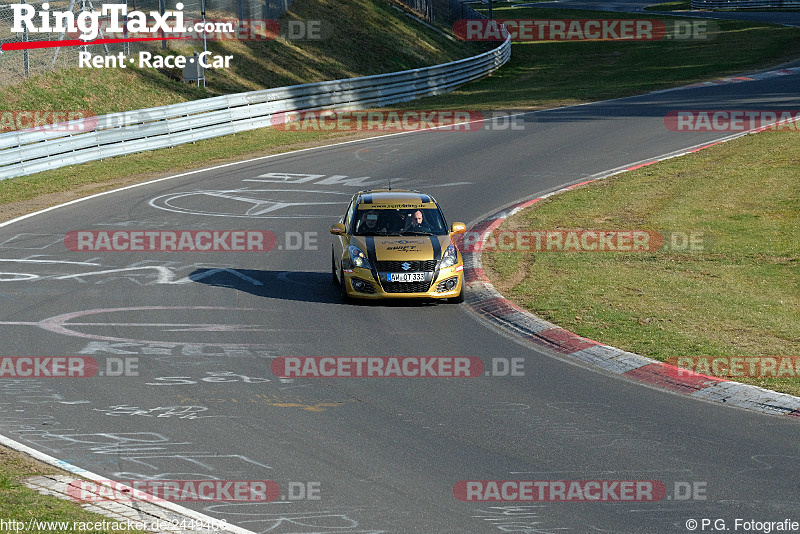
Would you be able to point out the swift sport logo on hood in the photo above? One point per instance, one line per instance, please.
(403, 249)
(407, 242)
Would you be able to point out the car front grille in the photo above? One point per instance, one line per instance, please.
(406, 287)
(416, 266)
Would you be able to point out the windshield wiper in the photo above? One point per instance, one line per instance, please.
(415, 232)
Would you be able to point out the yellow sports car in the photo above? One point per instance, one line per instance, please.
(395, 244)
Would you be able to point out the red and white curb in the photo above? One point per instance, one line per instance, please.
(737, 79)
(534, 331)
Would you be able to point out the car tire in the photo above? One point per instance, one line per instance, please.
(333, 268)
(459, 298)
(343, 288)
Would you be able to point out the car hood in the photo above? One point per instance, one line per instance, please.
(403, 248)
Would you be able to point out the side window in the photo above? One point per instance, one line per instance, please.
(442, 222)
(349, 216)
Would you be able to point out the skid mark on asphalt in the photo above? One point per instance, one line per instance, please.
(266, 519)
(64, 324)
(177, 412)
(245, 203)
(279, 401)
(39, 268)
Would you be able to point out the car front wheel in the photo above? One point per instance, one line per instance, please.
(459, 298)
(343, 288)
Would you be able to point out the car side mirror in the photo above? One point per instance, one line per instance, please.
(458, 228)
(338, 229)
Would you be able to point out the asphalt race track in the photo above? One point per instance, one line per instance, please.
(385, 452)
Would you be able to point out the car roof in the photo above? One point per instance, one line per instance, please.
(394, 198)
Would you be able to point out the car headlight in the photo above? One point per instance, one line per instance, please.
(450, 257)
(358, 258)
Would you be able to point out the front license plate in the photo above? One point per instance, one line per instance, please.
(405, 277)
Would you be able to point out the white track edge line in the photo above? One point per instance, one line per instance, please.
(55, 462)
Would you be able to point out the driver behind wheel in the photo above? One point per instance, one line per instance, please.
(415, 222)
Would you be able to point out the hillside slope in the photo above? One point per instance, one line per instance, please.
(382, 40)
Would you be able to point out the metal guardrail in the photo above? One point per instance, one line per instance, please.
(442, 11)
(30, 151)
(745, 4)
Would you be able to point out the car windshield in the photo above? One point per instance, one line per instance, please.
(397, 222)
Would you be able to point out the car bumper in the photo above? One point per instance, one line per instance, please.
(360, 283)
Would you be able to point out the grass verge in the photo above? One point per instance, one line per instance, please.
(736, 295)
(25, 194)
(544, 74)
(539, 75)
(682, 5)
(685, 5)
(387, 41)
(20, 503)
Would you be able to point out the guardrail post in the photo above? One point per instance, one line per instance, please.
(26, 65)
(162, 7)
(126, 48)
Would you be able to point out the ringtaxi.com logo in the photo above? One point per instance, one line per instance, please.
(227, 29)
(109, 19)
